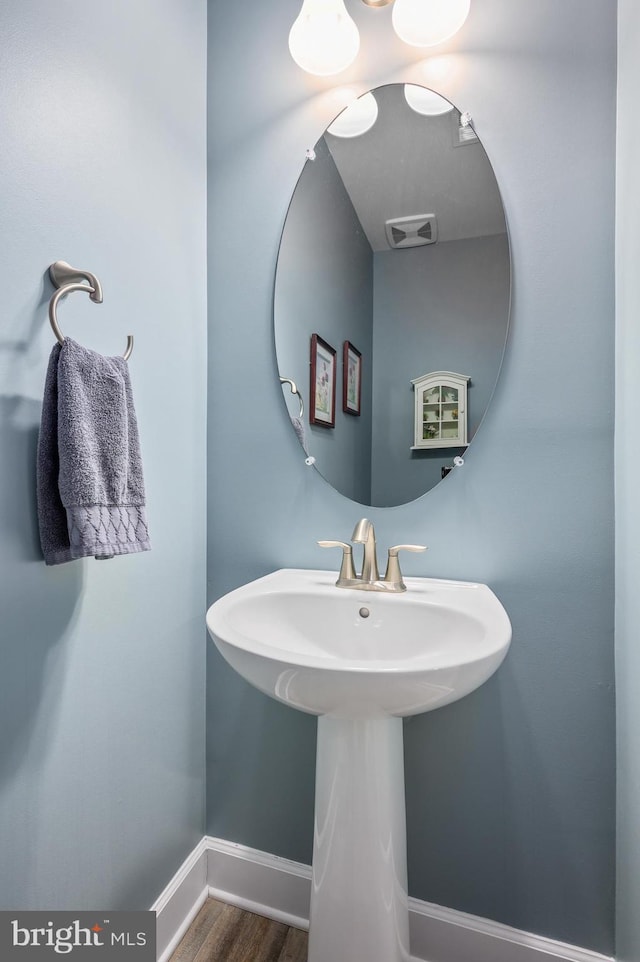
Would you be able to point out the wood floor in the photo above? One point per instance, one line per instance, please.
(222, 933)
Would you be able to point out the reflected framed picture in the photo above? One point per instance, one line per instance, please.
(351, 378)
(322, 392)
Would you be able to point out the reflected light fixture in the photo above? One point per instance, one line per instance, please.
(425, 23)
(357, 118)
(426, 102)
(324, 40)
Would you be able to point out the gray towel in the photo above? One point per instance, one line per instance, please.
(90, 487)
(299, 428)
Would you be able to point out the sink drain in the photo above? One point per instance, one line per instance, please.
(364, 612)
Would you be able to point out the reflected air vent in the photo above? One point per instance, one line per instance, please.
(412, 231)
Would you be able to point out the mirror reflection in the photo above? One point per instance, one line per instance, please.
(393, 271)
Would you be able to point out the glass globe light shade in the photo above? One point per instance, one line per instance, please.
(424, 23)
(426, 102)
(357, 118)
(324, 40)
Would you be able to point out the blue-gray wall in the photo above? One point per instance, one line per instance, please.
(103, 164)
(438, 308)
(324, 285)
(627, 501)
(511, 791)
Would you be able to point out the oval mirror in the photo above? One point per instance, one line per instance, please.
(393, 275)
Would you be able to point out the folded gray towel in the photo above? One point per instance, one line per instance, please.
(299, 428)
(90, 487)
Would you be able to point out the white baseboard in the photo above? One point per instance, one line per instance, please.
(445, 935)
(280, 889)
(259, 882)
(180, 902)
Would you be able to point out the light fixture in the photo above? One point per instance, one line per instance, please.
(425, 23)
(426, 102)
(357, 118)
(324, 40)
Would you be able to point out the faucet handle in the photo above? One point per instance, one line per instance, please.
(393, 575)
(347, 571)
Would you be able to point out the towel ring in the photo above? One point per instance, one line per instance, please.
(66, 279)
(294, 390)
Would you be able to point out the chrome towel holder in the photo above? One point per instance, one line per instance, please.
(294, 390)
(68, 279)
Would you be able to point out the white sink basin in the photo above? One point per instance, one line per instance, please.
(360, 660)
(298, 638)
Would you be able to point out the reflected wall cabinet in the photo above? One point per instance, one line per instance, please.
(440, 410)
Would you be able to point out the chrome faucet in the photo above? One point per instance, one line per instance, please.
(369, 579)
(364, 533)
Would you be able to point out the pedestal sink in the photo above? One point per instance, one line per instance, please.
(361, 660)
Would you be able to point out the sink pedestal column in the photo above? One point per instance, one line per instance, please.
(359, 908)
